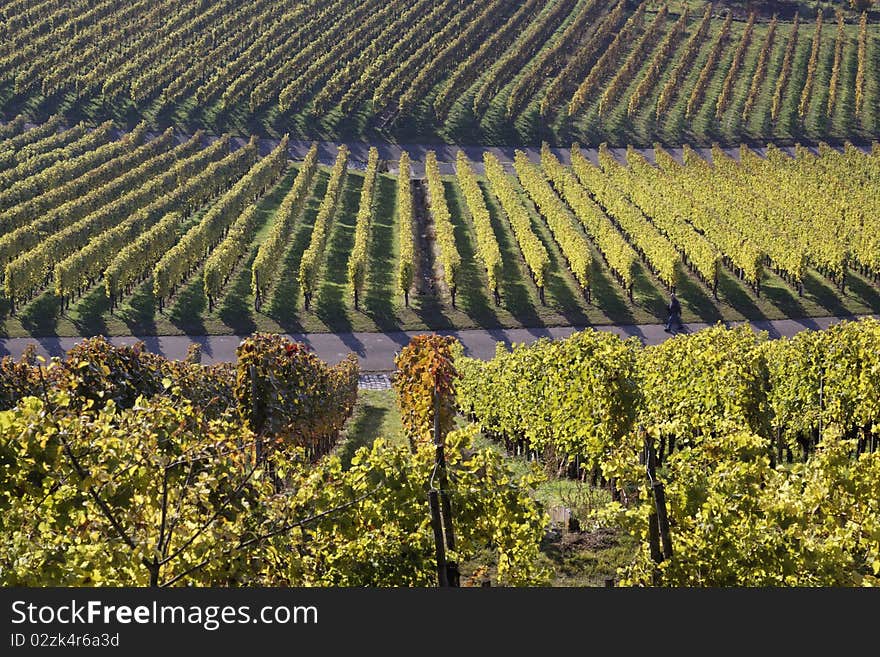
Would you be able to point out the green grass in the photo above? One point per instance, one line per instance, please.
(614, 122)
(375, 416)
(704, 125)
(730, 124)
(843, 113)
(788, 122)
(758, 122)
(672, 124)
(869, 117)
(332, 301)
(645, 123)
(584, 558)
(816, 120)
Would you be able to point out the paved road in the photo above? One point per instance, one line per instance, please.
(376, 351)
(446, 153)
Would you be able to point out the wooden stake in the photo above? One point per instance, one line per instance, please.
(440, 460)
(654, 538)
(439, 550)
(663, 519)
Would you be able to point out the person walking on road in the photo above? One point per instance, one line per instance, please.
(674, 315)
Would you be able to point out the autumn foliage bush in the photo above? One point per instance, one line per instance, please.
(425, 380)
(120, 468)
(284, 390)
